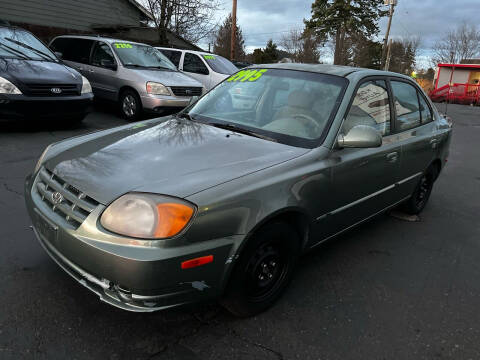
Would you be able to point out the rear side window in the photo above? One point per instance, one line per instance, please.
(173, 56)
(425, 110)
(370, 107)
(406, 105)
(192, 63)
(76, 50)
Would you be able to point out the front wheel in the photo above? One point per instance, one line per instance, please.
(417, 202)
(263, 271)
(130, 105)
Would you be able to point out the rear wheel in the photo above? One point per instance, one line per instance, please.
(417, 202)
(263, 271)
(130, 105)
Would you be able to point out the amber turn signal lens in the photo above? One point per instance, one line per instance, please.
(172, 218)
(197, 262)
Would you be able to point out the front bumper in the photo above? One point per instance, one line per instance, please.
(24, 107)
(124, 274)
(157, 103)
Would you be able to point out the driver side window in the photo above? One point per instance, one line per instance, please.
(370, 107)
(102, 52)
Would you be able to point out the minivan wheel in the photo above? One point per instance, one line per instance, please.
(417, 202)
(263, 271)
(130, 105)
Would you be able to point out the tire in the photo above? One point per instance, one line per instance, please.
(130, 105)
(263, 270)
(417, 202)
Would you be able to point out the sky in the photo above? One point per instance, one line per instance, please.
(261, 20)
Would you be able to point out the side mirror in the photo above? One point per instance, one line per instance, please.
(58, 54)
(360, 136)
(108, 64)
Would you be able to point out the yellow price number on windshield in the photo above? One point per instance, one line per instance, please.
(209, 57)
(123, 46)
(247, 75)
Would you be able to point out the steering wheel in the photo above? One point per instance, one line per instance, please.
(311, 121)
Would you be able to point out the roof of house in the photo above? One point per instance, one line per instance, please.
(142, 9)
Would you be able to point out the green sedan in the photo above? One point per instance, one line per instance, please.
(220, 200)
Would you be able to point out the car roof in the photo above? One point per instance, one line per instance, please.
(338, 70)
(192, 51)
(100, 38)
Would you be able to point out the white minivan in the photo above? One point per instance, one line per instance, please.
(207, 68)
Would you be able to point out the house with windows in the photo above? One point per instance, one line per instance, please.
(457, 83)
(124, 19)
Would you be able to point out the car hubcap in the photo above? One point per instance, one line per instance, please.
(266, 270)
(129, 105)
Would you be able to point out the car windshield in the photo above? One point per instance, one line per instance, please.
(20, 44)
(219, 64)
(142, 56)
(291, 107)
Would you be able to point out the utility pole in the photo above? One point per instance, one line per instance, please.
(392, 4)
(234, 30)
(389, 52)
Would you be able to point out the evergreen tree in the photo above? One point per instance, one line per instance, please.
(270, 54)
(223, 40)
(337, 19)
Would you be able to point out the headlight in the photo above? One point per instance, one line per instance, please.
(147, 216)
(40, 160)
(86, 87)
(155, 88)
(6, 87)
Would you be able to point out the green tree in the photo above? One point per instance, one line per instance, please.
(336, 19)
(270, 54)
(223, 40)
(366, 53)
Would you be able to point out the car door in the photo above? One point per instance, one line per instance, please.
(103, 72)
(415, 130)
(195, 67)
(363, 179)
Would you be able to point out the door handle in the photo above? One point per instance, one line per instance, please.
(434, 143)
(392, 157)
(90, 70)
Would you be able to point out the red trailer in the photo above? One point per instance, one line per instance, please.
(457, 83)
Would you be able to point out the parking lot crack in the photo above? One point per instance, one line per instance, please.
(12, 190)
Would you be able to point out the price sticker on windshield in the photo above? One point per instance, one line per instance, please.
(247, 75)
(209, 57)
(123, 46)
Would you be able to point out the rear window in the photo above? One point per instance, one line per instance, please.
(72, 49)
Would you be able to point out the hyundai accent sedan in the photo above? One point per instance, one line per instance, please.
(220, 200)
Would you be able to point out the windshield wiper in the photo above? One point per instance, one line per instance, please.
(185, 115)
(159, 67)
(15, 51)
(240, 130)
(39, 52)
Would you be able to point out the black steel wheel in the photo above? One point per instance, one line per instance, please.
(130, 105)
(417, 202)
(263, 271)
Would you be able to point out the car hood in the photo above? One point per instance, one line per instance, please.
(38, 72)
(169, 156)
(168, 78)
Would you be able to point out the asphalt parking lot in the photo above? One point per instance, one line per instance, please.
(389, 289)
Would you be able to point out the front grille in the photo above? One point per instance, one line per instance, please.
(186, 91)
(46, 89)
(75, 206)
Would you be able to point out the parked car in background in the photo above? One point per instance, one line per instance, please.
(136, 76)
(209, 69)
(35, 84)
(221, 200)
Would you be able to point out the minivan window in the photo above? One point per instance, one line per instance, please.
(219, 64)
(20, 44)
(73, 49)
(406, 105)
(138, 55)
(173, 56)
(192, 63)
(102, 52)
(371, 106)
